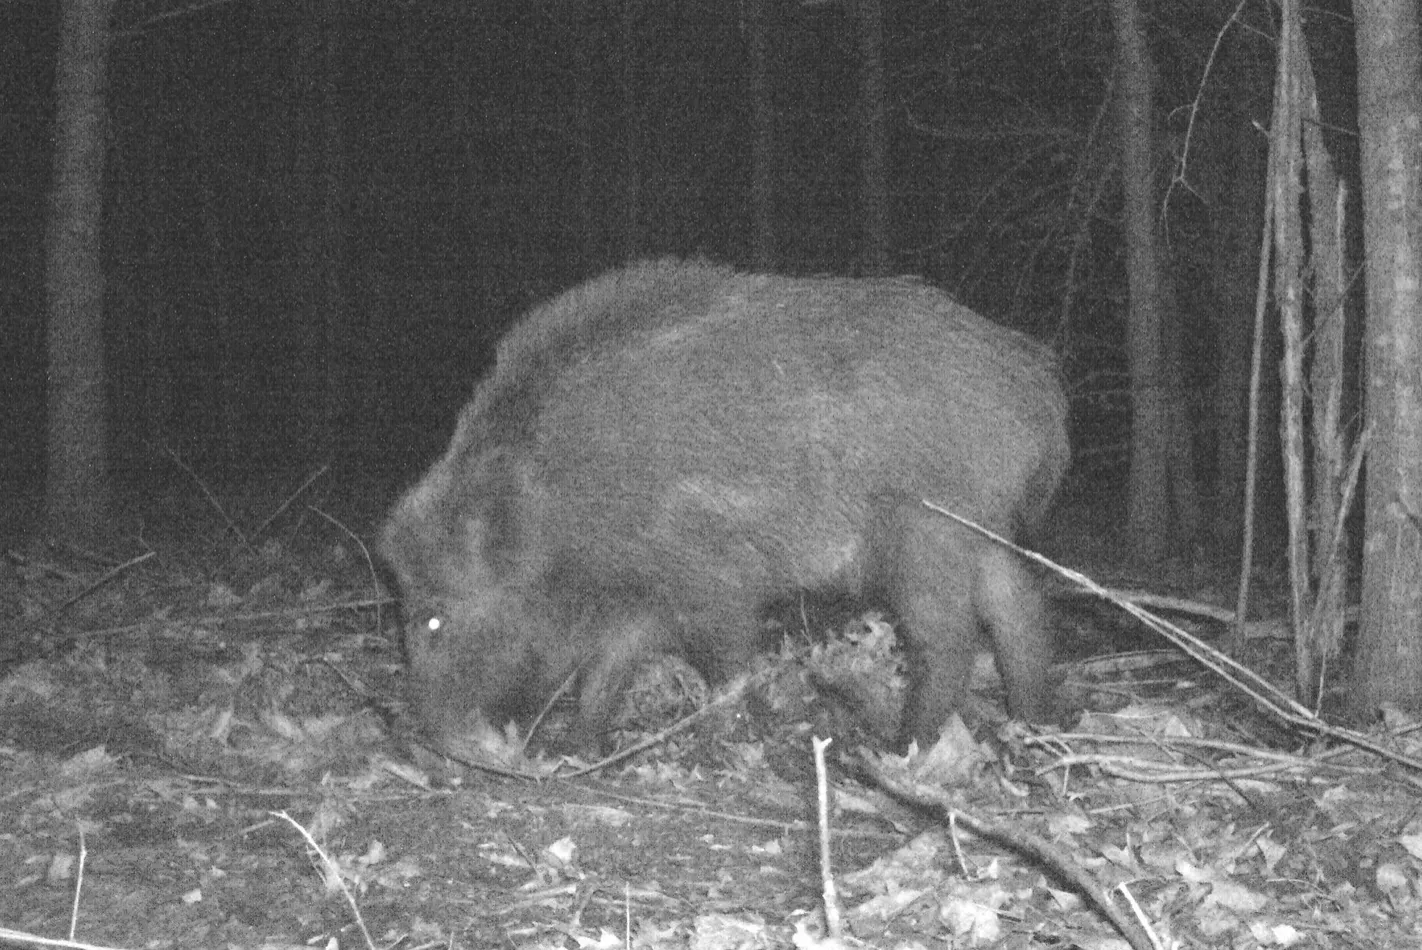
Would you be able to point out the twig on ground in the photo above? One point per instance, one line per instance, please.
(1136, 932)
(1242, 678)
(558, 693)
(331, 871)
(19, 936)
(731, 693)
(115, 572)
(832, 916)
(78, 884)
(283, 614)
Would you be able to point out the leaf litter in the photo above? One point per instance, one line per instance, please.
(213, 753)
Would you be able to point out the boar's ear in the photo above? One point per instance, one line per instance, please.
(496, 519)
(412, 527)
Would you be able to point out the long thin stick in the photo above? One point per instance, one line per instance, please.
(831, 900)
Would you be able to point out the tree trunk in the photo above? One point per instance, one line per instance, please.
(1285, 185)
(157, 329)
(873, 140)
(76, 487)
(1389, 662)
(1234, 266)
(1185, 516)
(1320, 640)
(1148, 502)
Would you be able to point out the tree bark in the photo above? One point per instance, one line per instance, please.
(1320, 640)
(1286, 184)
(1234, 259)
(1148, 501)
(1389, 661)
(77, 485)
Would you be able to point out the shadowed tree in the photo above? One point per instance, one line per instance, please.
(1389, 663)
(1235, 184)
(1148, 509)
(76, 487)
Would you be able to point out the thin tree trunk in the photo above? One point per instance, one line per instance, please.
(1322, 637)
(1285, 183)
(1185, 516)
(1389, 662)
(153, 363)
(1148, 502)
(1235, 265)
(76, 490)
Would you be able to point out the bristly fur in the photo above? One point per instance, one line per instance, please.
(662, 451)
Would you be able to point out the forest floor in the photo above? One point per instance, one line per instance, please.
(203, 744)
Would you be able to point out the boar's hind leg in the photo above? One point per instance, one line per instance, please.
(926, 569)
(947, 585)
(1009, 601)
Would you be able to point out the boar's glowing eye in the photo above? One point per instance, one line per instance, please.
(434, 624)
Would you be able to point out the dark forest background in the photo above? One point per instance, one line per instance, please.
(321, 216)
